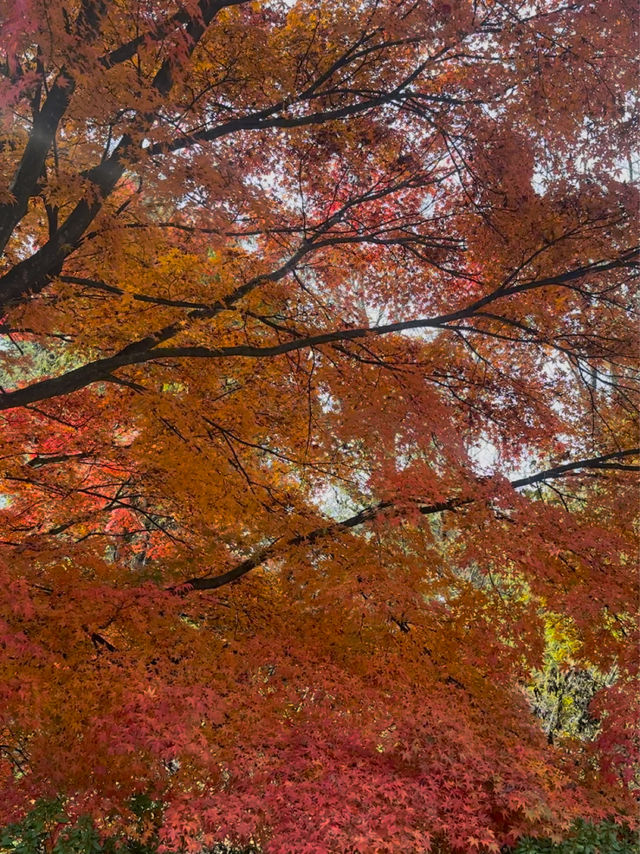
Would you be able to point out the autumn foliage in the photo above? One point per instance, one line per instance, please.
(319, 381)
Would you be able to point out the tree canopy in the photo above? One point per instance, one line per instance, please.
(319, 391)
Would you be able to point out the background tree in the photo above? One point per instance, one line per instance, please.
(339, 303)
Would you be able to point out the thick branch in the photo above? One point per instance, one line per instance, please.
(27, 176)
(146, 349)
(33, 274)
(607, 461)
(129, 49)
(604, 462)
(25, 180)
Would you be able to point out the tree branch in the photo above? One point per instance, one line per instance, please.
(146, 349)
(367, 514)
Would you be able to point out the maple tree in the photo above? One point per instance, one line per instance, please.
(319, 387)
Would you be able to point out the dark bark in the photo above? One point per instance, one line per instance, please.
(605, 462)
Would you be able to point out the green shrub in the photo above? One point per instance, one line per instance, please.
(586, 838)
